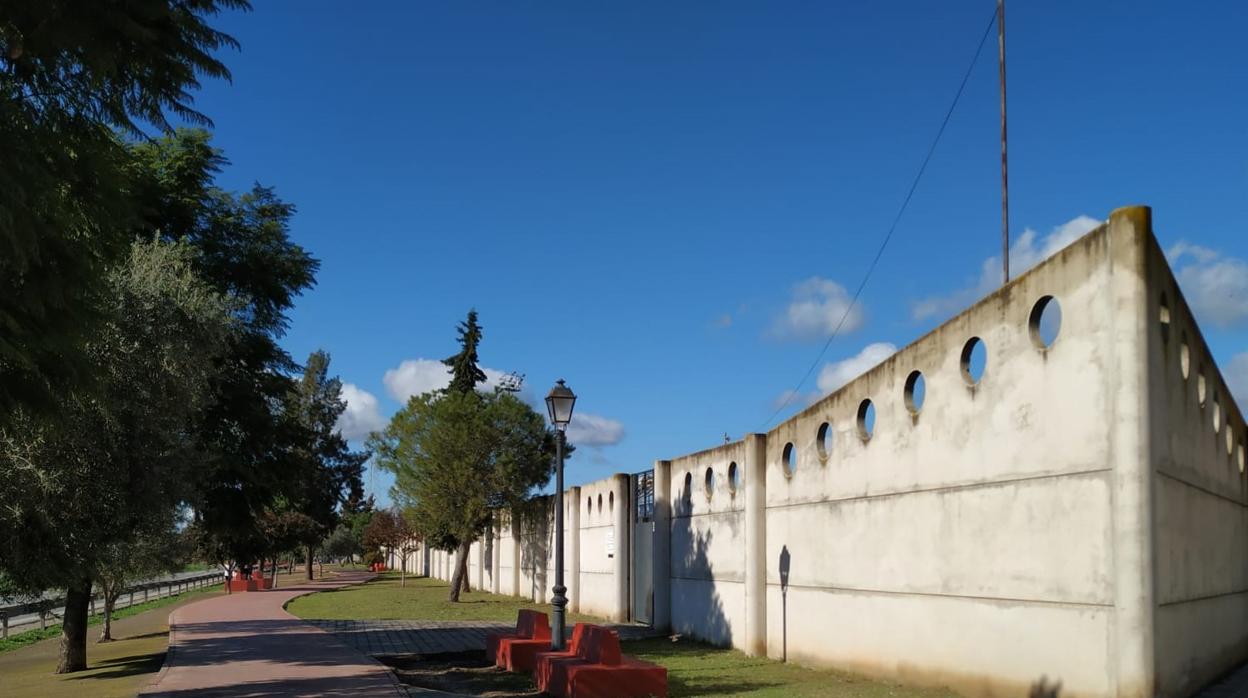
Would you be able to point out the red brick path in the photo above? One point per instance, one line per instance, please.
(246, 644)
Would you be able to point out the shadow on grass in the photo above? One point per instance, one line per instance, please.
(697, 669)
(121, 667)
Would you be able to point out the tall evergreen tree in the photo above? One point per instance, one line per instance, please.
(331, 473)
(465, 373)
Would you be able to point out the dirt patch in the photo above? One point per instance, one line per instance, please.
(464, 673)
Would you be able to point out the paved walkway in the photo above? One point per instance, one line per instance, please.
(382, 638)
(247, 645)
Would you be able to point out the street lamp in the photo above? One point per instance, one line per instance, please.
(559, 402)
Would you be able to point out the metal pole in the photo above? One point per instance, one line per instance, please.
(1005, 170)
(560, 600)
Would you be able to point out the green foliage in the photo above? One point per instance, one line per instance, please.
(70, 72)
(465, 373)
(116, 461)
(257, 448)
(459, 456)
(342, 543)
(331, 474)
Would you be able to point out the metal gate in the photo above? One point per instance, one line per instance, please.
(641, 566)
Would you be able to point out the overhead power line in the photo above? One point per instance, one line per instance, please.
(788, 399)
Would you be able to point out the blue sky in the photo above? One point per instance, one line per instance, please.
(664, 202)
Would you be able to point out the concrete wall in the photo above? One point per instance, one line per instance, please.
(707, 547)
(1072, 517)
(1200, 495)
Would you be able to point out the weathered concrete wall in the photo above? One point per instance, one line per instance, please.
(707, 549)
(1076, 517)
(1001, 537)
(1200, 497)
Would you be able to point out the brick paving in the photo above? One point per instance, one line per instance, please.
(246, 645)
(382, 638)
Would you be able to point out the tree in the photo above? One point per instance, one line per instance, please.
(341, 544)
(116, 462)
(124, 562)
(331, 473)
(465, 373)
(459, 457)
(245, 252)
(72, 71)
(390, 530)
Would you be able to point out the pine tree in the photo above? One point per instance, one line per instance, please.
(465, 373)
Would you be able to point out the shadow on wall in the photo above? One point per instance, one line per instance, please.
(696, 606)
(534, 520)
(1045, 689)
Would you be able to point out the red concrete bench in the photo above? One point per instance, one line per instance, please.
(530, 626)
(599, 670)
(543, 662)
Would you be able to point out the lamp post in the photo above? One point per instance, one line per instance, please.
(559, 403)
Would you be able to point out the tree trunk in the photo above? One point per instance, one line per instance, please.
(74, 628)
(111, 592)
(402, 570)
(464, 572)
(310, 553)
(275, 563)
(460, 578)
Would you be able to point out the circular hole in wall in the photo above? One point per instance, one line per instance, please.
(1217, 415)
(710, 482)
(589, 504)
(866, 419)
(734, 478)
(611, 502)
(916, 391)
(1242, 456)
(1200, 388)
(1230, 441)
(823, 441)
(1185, 357)
(789, 459)
(687, 495)
(1045, 321)
(974, 360)
(600, 504)
(1163, 318)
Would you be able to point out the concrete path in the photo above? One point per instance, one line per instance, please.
(247, 645)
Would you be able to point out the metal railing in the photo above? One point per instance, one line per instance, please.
(45, 608)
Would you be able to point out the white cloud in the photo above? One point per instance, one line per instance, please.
(837, 373)
(723, 321)
(420, 376)
(363, 413)
(1215, 285)
(593, 430)
(818, 307)
(1027, 250)
(1237, 378)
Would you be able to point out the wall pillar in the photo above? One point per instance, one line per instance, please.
(518, 563)
(661, 567)
(756, 544)
(496, 553)
(572, 545)
(1132, 498)
(621, 520)
(480, 545)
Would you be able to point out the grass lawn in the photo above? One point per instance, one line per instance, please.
(694, 669)
(53, 630)
(422, 599)
(116, 669)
